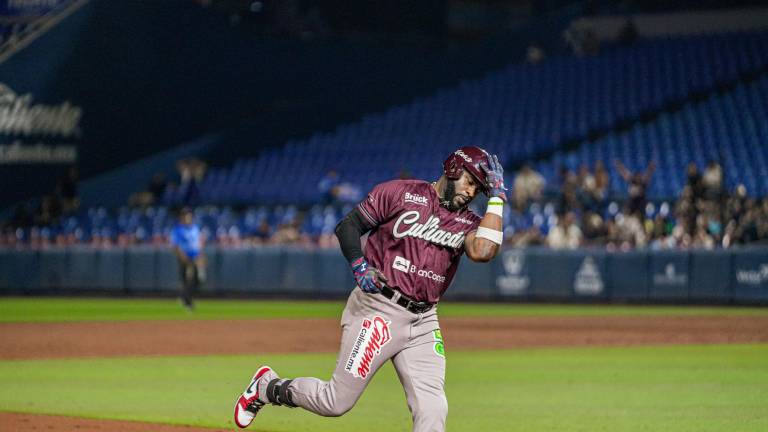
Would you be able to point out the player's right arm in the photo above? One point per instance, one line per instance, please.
(348, 231)
(483, 244)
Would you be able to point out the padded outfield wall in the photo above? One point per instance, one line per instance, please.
(721, 276)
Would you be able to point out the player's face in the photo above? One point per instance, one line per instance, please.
(466, 190)
(186, 218)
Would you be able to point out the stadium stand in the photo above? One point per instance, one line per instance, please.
(672, 101)
(521, 112)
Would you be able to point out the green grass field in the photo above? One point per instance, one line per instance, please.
(693, 388)
(65, 310)
(673, 388)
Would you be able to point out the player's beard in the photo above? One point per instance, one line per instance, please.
(449, 195)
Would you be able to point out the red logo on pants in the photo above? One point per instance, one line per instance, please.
(373, 335)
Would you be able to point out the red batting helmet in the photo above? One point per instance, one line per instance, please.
(473, 159)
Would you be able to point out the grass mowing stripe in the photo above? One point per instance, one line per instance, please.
(680, 388)
(43, 309)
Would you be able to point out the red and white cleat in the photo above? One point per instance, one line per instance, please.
(248, 405)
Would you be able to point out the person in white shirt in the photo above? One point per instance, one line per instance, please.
(566, 234)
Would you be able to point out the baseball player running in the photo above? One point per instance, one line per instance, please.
(417, 234)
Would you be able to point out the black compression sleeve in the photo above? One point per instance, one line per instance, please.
(348, 231)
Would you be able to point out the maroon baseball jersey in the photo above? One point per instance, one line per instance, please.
(416, 242)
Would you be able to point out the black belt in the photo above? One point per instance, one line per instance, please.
(410, 305)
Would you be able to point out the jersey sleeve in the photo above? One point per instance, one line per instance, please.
(383, 202)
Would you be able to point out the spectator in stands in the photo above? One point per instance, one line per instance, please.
(566, 234)
(712, 181)
(66, 190)
(602, 182)
(157, 186)
(347, 192)
(263, 233)
(660, 235)
(587, 193)
(287, 233)
(187, 242)
(327, 186)
(631, 231)
(527, 237)
(568, 198)
(637, 187)
(49, 211)
(191, 173)
(694, 182)
(702, 239)
(595, 231)
(527, 187)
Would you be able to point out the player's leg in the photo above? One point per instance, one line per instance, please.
(373, 330)
(187, 272)
(421, 369)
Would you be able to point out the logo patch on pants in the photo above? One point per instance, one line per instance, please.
(439, 345)
(374, 334)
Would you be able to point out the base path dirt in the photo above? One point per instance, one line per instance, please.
(159, 338)
(49, 423)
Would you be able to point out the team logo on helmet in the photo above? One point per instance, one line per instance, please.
(464, 156)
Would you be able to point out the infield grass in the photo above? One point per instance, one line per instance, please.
(675, 388)
(55, 309)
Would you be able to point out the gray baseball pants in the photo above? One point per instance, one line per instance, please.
(376, 329)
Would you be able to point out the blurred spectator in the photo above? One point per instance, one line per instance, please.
(694, 184)
(702, 239)
(49, 211)
(569, 187)
(347, 192)
(327, 186)
(191, 173)
(566, 235)
(587, 193)
(262, 233)
(157, 186)
(631, 231)
(602, 182)
(594, 230)
(287, 233)
(527, 237)
(66, 190)
(637, 187)
(527, 187)
(712, 181)
(153, 194)
(535, 54)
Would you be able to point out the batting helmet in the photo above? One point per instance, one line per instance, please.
(473, 159)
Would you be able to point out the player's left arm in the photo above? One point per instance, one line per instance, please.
(483, 244)
(481, 249)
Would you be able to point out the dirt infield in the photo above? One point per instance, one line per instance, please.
(49, 423)
(105, 339)
(110, 339)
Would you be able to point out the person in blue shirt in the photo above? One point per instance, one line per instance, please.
(187, 242)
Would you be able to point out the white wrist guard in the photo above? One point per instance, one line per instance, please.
(490, 234)
(495, 206)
